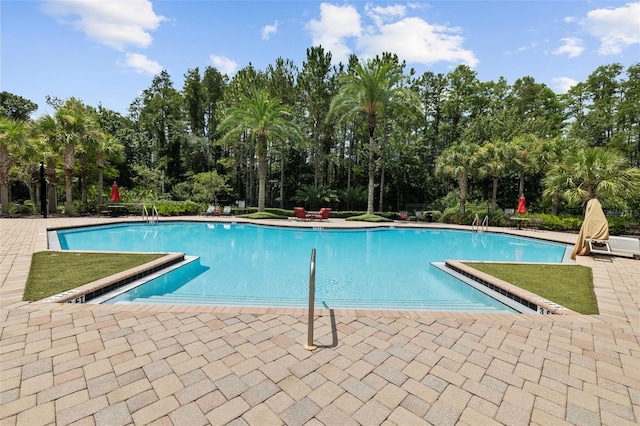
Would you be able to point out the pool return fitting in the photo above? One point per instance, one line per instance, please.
(312, 296)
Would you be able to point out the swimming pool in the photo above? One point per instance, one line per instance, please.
(242, 264)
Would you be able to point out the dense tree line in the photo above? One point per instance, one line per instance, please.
(367, 134)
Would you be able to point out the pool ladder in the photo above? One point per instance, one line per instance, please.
(476, 226)
(150, 218)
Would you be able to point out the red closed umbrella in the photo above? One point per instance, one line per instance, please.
(115, 193)
(522, 208)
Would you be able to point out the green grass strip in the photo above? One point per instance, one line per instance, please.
(369, 218)
(262, 215)
(54, 272)
(568, 285)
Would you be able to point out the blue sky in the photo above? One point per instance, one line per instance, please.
(107, 51)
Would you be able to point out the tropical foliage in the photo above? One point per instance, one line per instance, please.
(368, 134)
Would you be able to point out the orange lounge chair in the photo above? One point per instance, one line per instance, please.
(301, 214)
(323, 215)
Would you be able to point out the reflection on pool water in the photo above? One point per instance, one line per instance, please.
(252, 265)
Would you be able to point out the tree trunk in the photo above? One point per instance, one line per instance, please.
(350, 160)
(521, 186)
(555, 202)
(84, 166)
(5, 165)
(262, 171)
(282, 178)
(68, 170)
(316, 155)
(68, 206)
(372, 170)
(51, 187)
(382, 166)
(100, 165)
(463, 185)
(250, 174)
(494, 195)
(100, 185)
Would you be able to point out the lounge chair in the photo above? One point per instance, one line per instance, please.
(420, 216)
(323, 215)
(301, 214)
(226, 211)
(212, 211)
(616, 246)
(404, 215)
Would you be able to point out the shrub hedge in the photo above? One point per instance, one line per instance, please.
(562, 223)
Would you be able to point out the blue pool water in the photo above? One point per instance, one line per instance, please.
(269, 266)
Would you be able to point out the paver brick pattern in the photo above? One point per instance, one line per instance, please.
(362, 383)
(120, 365)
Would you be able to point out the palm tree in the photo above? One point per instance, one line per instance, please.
(46, 131)
(551, 153)
(353, 197)
(13, 137)
(88, 147)
(314, 196)
(459, 161)
(594, 172)
(266, 119)
(65, 130)
(108, 146)
(524, 157)
(494, 157)
(369, 91)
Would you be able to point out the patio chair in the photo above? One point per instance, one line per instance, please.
(536, 223)
(301, 214)
(226, 211)
(420, 216)
(403, 215)
(323, 215)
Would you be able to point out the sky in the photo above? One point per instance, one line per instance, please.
(106, 52)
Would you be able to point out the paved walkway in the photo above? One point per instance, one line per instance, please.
(119, 365)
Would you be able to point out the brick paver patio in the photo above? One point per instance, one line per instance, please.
(119, 365)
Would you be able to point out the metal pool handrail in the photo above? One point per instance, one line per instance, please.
(312, 295)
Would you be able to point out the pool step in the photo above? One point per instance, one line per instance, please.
(440, 305)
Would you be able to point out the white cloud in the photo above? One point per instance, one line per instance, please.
(114, 23)
(335, 25)
(380, 14)
(616, 28)
(141, 64)
(563, 84)
(267, 30)
(224, 65)
(413, 39)
(572, 47)
(530, 46)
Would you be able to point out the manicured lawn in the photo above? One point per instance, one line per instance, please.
(53, 272)
(568, 285)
